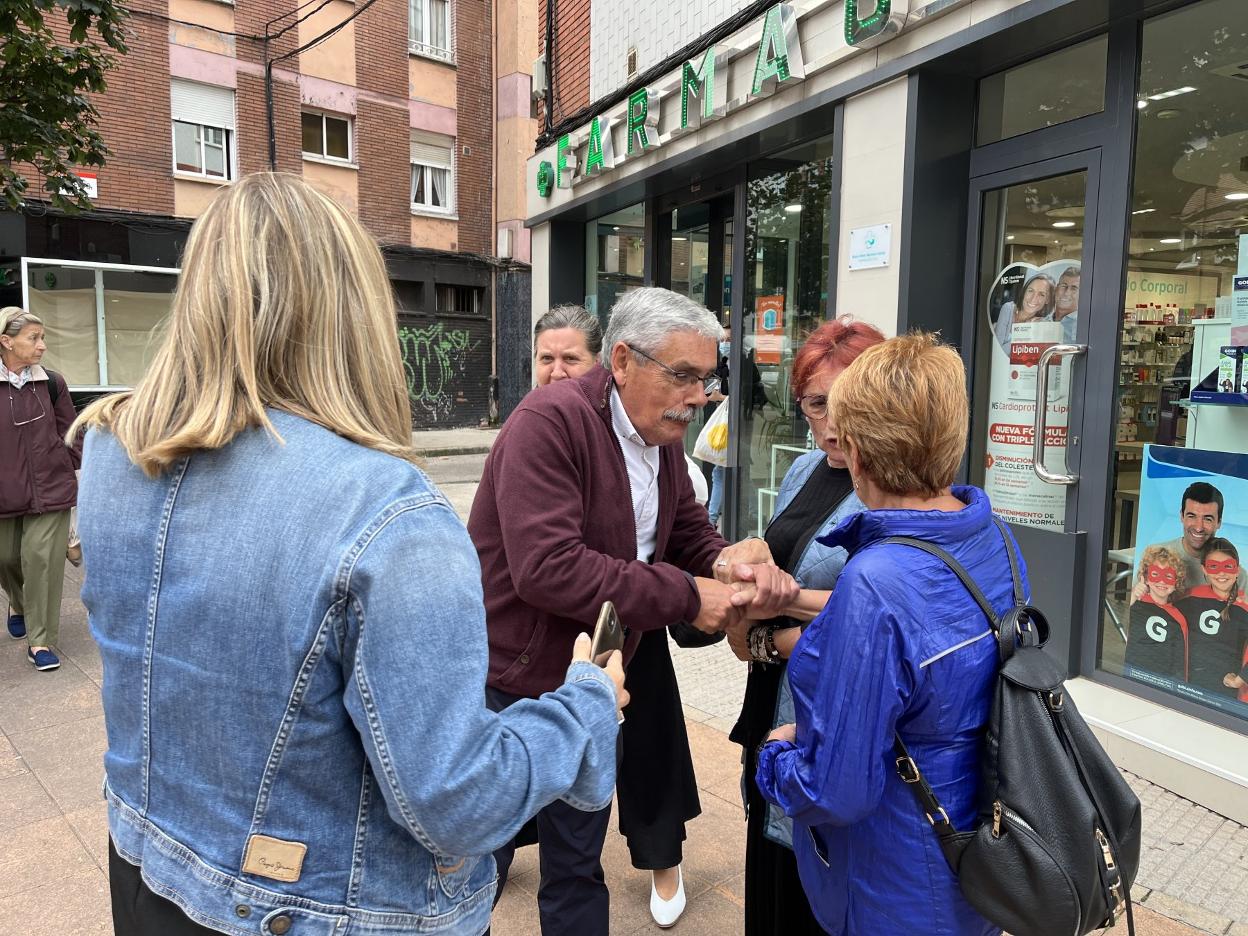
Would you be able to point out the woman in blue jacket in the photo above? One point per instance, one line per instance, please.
(289, 614)
(815, 496)
(900, 647)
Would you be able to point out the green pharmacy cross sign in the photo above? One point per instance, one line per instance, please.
(866, 27)
(545, 179)
(702, 84)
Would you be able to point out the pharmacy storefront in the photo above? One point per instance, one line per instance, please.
(1062, 191)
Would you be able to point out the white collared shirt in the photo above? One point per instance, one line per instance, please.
(642, 462)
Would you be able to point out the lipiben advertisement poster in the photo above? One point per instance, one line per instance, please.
(1030, 309)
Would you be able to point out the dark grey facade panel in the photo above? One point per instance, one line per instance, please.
(513, 338)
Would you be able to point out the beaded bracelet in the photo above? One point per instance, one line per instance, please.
(762, 643)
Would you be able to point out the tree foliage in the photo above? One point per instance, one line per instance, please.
(46, 117)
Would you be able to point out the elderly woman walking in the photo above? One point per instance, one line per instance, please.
(901, 647)
(37, 486)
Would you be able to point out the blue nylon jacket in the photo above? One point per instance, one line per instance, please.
(901, 646)
(294, 653)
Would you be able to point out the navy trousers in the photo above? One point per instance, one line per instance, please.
(572, 897)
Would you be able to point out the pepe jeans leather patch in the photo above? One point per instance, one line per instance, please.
(274, 858)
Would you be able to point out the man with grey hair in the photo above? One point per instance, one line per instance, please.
(584, 499)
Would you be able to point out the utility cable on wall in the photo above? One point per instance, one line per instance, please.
(269, 63)
(253, 37)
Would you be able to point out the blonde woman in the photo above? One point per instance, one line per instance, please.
(37, 486)
(289, 613)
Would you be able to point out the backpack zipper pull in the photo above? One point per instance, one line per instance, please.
(996, 819)
(1106, 853)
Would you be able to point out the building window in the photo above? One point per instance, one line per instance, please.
(203, 130)
(429, 28)
(201, 150)
(464, 299)
(433, 176)
(327, 137)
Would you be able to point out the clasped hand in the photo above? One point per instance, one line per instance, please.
(747, 585)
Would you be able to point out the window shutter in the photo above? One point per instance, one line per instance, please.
(202, 104)
(430, 149)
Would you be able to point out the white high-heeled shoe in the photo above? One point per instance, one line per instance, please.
(667, 912)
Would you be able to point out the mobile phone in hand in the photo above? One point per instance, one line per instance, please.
(608, 634)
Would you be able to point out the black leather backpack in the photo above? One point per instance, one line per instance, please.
(1057, 841)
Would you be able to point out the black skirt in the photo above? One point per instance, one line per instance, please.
(656, 785)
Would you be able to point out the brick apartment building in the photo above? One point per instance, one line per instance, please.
(414, 114)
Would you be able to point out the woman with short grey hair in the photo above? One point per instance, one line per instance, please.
(566, 343)
(37, 487)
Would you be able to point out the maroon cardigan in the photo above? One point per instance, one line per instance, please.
(553, 525)
(37, 473)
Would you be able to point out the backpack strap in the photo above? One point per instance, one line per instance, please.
(1016, 574)
(54, 387)
(961, 573)
(951, 841)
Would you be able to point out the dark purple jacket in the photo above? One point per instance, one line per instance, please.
(36, 466)
(554, 530)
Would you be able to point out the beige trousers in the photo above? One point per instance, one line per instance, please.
(32, 571)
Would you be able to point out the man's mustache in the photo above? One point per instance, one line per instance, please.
(680, 415)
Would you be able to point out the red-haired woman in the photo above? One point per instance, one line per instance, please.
(815, 496)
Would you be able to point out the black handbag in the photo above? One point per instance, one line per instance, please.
(1057, 841)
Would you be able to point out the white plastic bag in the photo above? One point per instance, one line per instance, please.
(712, 444)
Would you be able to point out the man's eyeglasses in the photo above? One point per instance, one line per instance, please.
(814, 406)
(13, 413)
(682, 378)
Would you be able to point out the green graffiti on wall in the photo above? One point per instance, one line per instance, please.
(433, 356)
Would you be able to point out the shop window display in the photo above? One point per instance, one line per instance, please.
(785, 298)
(103, 324)
(1175, 610)
(615, 249)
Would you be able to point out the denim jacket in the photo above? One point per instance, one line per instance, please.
(294, 653)
(818, 568)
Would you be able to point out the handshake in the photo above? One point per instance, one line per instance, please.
(747, 586)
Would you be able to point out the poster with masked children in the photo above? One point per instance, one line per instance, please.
(1188, 629)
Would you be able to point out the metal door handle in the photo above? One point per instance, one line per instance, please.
(1042, 412)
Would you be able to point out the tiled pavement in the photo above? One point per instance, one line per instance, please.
(53, 831)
